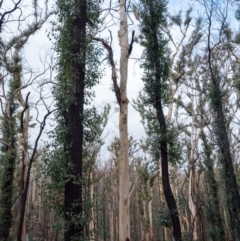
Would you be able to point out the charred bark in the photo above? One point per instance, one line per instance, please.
(158, 96)
(165, 175)
(74, 116)
(9, 158)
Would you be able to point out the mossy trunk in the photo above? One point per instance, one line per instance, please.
(233, 197)
(7, 173)
(217, 234)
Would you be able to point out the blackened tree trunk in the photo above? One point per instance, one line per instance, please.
(74, 124)
(165, 175)
(156, 76)
(8, 160)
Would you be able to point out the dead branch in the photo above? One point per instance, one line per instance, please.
(114, 72)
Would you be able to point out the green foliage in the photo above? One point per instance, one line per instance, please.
(57, 166)
(174, 145)
(92, 127)
(164, 217)
(156, 61)
(7, 161)
(156, 79)
(152, 143)
(62, 33)
(187, 236)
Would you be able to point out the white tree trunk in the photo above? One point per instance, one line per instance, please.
(192, 205)
(192, 178)
(150, 220)
(124, 218)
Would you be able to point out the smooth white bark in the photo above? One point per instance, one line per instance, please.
(124, 217)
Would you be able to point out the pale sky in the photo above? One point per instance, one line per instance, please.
(39, 45)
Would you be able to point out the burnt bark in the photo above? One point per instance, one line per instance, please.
(7, 175)
(158, 67)
(74, 116)
(165, 175)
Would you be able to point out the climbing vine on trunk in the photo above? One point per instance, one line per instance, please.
(156, 70)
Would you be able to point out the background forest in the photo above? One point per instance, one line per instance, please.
(159, 165)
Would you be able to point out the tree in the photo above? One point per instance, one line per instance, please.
(9, 141)
(220, 122)
(8, 158)
(122, 100)
(77, 71)
(156, 68)
(11, 64)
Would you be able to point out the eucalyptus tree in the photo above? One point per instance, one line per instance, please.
(183, 49)
(8, 139)
(12, 45)
(156, 72)
(216, 47)
(77, 73)
(181, 75)
(202, 160)
(120, 90)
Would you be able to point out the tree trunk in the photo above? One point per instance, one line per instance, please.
(150, 219)
(7, 174)
(165, 175)
(40, 202)
(214, 205)
(192, 182)
(203, 223)
(24, 129)
(124, 216)
(111, 214)
(74, 119)
(156, 78)
(25, 117)
(92, 220)
(162, 201)
(192, 200)
(233, 197)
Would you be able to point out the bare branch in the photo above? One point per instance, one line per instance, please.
(114, 72)
(26, 107)
(7, 13)
(4, 143)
